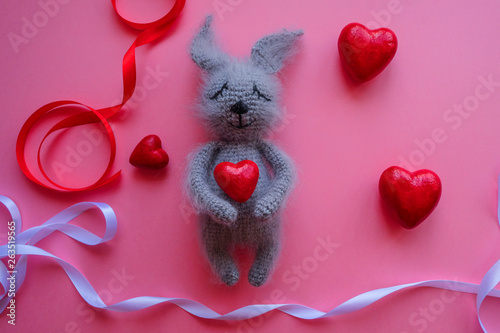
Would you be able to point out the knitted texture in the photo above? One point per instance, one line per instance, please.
(239, 102)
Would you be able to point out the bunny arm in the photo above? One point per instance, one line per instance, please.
(269, 204)
(206, 200)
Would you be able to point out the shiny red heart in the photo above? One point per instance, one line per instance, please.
(148, 154)
(239, 180)
(364, 52)
(412, 196)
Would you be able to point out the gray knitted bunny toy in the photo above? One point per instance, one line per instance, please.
(239, 102)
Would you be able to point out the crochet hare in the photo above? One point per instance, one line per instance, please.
(239, 103)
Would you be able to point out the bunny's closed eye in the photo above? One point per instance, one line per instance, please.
(219, 92)
(256, 91)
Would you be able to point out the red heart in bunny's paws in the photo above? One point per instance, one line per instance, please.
(148, 154)
(239, 180)
(364, 52)
(411, 195)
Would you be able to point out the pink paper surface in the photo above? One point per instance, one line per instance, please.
(342, 136)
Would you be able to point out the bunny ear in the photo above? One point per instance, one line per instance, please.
(271, 52)
(204, 52)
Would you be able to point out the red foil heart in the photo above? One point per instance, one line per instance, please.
(364, 52)
(148, 154)
(239, 180)
(412, 196)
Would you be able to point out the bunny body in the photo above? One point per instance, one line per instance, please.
(239, 101)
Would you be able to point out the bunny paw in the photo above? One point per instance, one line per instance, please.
(264, 210)
(223, 212)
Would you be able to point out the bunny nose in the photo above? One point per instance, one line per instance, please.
(239, 108)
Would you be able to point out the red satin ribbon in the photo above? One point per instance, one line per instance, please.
(151, 31)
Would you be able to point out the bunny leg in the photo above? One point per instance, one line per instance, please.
(263, 264)
(217, 239)
(266, 254)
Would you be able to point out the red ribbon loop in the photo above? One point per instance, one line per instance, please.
(150, 32)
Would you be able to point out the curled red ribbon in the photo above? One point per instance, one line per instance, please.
(150, 32)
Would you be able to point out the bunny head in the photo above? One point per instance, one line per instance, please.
(239, 98)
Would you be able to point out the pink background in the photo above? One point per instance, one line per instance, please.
(340, 135)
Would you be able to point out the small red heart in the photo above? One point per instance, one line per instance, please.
(411, 195)
(364, 52)
(237, 180)
(148, 154)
